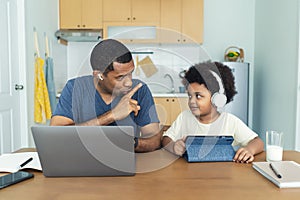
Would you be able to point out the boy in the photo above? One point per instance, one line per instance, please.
(207, 92)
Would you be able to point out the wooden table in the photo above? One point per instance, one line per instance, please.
(161, 176)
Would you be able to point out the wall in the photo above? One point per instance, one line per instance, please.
(231, 23)
(276, 67)
(43, 15)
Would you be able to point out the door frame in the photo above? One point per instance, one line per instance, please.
(22, 74)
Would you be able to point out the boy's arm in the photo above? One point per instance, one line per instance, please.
(246, 154)
(177, 147)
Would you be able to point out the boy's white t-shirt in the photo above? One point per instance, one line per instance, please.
(226, 124)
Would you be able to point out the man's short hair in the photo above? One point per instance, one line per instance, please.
(108, 51)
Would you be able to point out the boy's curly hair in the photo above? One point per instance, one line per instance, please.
(200, 73)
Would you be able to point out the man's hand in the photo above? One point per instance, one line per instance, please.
(127, 105)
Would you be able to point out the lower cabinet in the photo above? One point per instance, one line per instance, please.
(168, 108)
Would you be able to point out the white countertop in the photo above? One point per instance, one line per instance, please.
(178, 95)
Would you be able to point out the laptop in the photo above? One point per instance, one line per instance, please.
(85, 150)
(209, 149)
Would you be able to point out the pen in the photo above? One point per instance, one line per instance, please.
(26, 162)
(275, 171)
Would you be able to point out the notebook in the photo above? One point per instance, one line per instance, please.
(289, 172)
(13, 162)
(85, 150)
(209, 149)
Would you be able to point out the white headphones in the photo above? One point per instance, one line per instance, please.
(218, 99)
(100, 77)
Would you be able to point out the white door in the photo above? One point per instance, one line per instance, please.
(13, 120)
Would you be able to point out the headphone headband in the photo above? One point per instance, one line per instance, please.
(221, 88)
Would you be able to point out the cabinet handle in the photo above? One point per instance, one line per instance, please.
(183, 40)
(133, 18)
(173, 100)
(83, 25)
(128, 18)
(78, 25)
(167, 100)
(178, 40)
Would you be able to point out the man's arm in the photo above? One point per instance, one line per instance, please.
(101, 120)
(122, 110)
(168, 144)
(151, 138)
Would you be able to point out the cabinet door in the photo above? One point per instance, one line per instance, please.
(70, 14)
(116, 10)
(91, 14)
(163, 108)
(170, 21)
(146, 11)
(169, 108)
(178, 105)
(192, 21)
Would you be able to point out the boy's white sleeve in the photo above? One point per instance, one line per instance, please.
(174, 132)
(243, 134)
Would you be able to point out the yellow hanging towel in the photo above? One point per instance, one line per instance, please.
(42, 109)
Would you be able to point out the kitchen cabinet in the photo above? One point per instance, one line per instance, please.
(181, 21)
(80, 14)
(135, 11)
(168, 108)
(136, 21)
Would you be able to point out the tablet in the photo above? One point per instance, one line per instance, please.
(209, 149)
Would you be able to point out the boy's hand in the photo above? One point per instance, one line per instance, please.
(243, 155)
(179, 146)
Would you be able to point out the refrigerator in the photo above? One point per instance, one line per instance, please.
(240, 104)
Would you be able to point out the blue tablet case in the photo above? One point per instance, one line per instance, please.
(209, 149)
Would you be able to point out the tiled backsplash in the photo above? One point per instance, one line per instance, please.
(168, 59)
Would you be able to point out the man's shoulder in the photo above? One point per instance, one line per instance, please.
(80, 80)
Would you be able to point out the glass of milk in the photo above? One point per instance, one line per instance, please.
(274, 145)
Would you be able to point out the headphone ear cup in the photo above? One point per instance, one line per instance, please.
(219, 100)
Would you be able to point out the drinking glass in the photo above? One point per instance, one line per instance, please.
(274, 145)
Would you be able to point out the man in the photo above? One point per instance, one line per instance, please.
(110, 97)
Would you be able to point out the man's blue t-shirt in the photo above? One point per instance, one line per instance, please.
(80, 101)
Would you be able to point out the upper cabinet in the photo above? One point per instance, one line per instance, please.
(140, 21)
(132, 21)
(181, 21)
(134, 11)
(80, 14)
